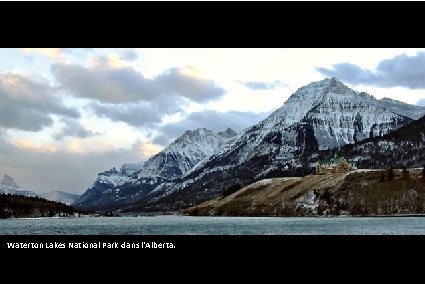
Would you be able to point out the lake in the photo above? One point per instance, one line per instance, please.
(186, 225)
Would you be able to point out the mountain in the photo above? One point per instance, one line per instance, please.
(60, 196)
(114, 189)
(319, 116)
(9, 186)
(200, 165)
(103, 185)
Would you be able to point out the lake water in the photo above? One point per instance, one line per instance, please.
(185, 225)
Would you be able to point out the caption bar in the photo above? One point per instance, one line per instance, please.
(90, 245)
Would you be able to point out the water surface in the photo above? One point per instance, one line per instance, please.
(186, 225)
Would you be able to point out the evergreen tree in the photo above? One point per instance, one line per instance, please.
(391, 173)
(382, 179)
(405, 172)
(423, 173)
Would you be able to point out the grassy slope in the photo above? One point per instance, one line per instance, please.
(356, 193)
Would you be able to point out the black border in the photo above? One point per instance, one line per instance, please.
(212, 24)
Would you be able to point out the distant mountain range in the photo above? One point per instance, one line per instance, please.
(317, 120)
(60, 196)
(9, 186)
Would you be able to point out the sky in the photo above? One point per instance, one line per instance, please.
(68, 114)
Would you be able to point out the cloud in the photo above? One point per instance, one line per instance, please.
(401, 70)
(186, 82)
(32, 146)
(73, 128)
(213, 120)
(49, 52)
(421, 102)
(114, 84)
(44, 171)
(27, 105)
(254, 85)
(141, 114)
(129, 54)
(55, 53)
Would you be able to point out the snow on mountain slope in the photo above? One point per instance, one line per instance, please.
(184, 153)
(60, 196)
(9, 186)
(345, 118)
(187, 151)
(105, 181)
(131, 168)
(412, 111)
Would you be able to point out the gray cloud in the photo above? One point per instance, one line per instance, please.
(109, 84)
(402, 70)
(254, 85)
(129, 54)
(213, 120)
(73, 128)
(141, 114)
(198, 90)
(421, 102)
(70, 172)
(123, 94)
(163, 140)
(27, 105)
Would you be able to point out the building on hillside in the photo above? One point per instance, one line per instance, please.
(334, 165)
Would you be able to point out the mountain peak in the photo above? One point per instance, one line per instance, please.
(228, 133)
(8, 181)
(9, 186)
(336, 86)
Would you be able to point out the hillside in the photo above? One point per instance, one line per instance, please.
(358, 193)
(19, 206)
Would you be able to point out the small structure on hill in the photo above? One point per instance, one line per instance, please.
(334, 165)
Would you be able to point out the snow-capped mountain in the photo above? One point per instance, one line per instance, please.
(321, 115)
(113, 187)
(9, 186)
(183, 154)
(60, 196)
(108, 180)
(202, 164)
